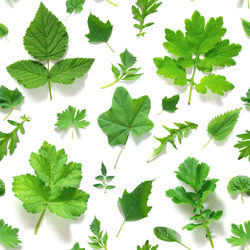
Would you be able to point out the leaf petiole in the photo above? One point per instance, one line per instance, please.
(208, 142)
(50, 94)
(39, 221)
(118, 157)
(191, 85)
(184, 246)
(112, 83)
(111, 2)
(8, 114)
(110, 47)
(120, 229)
(242, 199)
(160, 112)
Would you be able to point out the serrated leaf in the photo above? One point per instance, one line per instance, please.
(169, 104)
(147, 246)
(244, 145)
(3, 30)
(74, 5)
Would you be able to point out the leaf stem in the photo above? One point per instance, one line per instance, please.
(112, 83)
(118, 157)
(39, 221)
(72, 134)
(160, 112)
(191, 84)
(248, 4)
(111, 2)
(8, 114)
(110, 46)
(242, 199)
(208, 232)
(120, 229)
(247, 246)
(208, 142)
(184, 246)
(50, 94)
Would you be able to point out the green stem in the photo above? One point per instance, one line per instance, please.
(191, 85)
(39, 221)
(242, 199)
(160, 112)
(208, 142)
(119, 155)
(7, 39)
(248, 4)
(110, 46)
(185, 246)
(208, 233)
(112, 83)
(247, 246)
(120, 229)
(50, 94)
(111, 2)
(8, 114)
(72, 134)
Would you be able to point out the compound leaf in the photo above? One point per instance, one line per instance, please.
(244, 145)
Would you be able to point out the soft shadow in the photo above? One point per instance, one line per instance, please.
(170, 82)
(138, 140)
(240, 3)
(11, 2)
(39, 94)
(212, 97)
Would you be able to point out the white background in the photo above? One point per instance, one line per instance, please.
(92, 147)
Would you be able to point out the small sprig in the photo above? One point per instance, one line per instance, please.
(98, 241)
(104, 179)
(143, 9)
(125, 73)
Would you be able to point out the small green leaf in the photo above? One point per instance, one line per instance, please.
(169, 104)
(3, 30)
(166, 234)
(74, 5)
(147, 246)
(246, 26)
(246, 99)
(2, 188)
(244, 145)
(95, 227)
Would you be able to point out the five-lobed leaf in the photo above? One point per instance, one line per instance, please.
(147, 246)
(9, 235)
(244, 145)
(74, 6)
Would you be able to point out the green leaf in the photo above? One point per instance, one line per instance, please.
(55, 186)
(74, 5)
(3, 30)
(141, 10)
(126, 116)
(103, 169)
(166, 234)
(128, 60)
(169, 104)
(98, 31)
(9, 235)
(246, 26)
(9, 99)
(147, 246)
(66, 71)
(242, 237)
(216, 83)
(71, 117)
(30, 74)
(116, 71)
(222, 125)
(46, 38)
(244, 145)
(182, 131)
(181, 196)
(246, 99)
(8, 141)
(77, 247)
(239, 184)
(95, 227)
(98, 186)
(2, 188)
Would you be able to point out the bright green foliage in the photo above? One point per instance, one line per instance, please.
(220, 127)
(239, 184)
(77, 247)
(246, 26)
(194, 174)
(169, 104)
(54, 185)
(45, 43)
(246, 99)
(3, 30)
(74, 6)
(8, 235)
(242, 237)
(126, 72)
(99, 239)
(71, 118)
(182, 131)
(244, 145)
(126, 116)
(2, 188)
(134, 205)
(104, 179)
(168, 234)
(99, 32)
(200, 48)
(147, 246)
(9, 99)
(8, 141)
(143, 9)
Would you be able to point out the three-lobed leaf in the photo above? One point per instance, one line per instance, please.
(169, 104)
(74, 6)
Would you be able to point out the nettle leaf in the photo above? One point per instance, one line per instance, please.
(2, 188)
(201, 48)
(134, 205)
(220, 127)
(8, 141)
(9, 99)
(147, 246)
(246, 99)
(169, 104)
(141, 10)
(9, 235)
(126, 73)
(74, 6)
(47, 43)
(99, 32)
(126, 115)
(182, 130)
(73, 118)
(241, 237)
(3, 30)
(244, 145)
(54, 185)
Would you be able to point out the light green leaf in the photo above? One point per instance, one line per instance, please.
(147, 246)
(74, 5)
